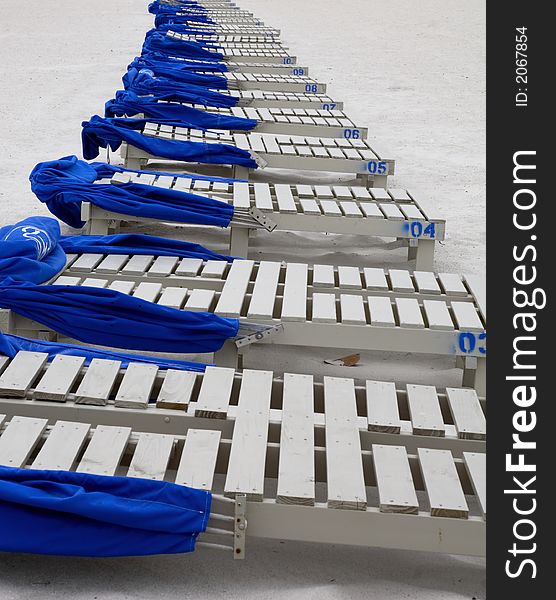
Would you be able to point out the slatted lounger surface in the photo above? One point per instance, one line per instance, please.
(270, 99)
(274, 83)
(295, 121)
(233, 29)
(354, 156)
(318, 208)
(273, 69)
(356, 309)
(421, 497)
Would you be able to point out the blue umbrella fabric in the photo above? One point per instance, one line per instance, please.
(158, 42)
(65, 183)
(78, 514)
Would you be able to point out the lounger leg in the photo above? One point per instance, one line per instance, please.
(424, 255)
(239, 172)
(97, 227)
(411, 249)
(474, 374)
(239, 242)
(380, 181)
(136, 164)
(363, 179)
(227, 356)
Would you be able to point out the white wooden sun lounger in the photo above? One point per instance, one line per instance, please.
(272, 69)
(373, 212)
(273, 83)
(233, 29)
(405, 476)
(294, 152)
(292, 121)
(251, 39)
(294, 304)
(269, 99)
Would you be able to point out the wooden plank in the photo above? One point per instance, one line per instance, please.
(215, 393)
(173, 297)
(59, 378)
(349, 278)
(63, 444)
(4, 360)
(246, 467)
(375, 279)
(284, 197)
(396, 491)
(189, 266)
(409, 313)
(113, 263)
(442, 483)
(401, 280)
(20, 374)
(438, 315)
(98, 381)
(214, 269)
(475, 463)
(87, 262)
(124, 287)
(426, 282)
(344, 462)
(19, 439)
(323, 276)
(296, 469)
(151, 456)
(263, 198)
(324, 308)
(467, 413)
(105, 450)
(381, 312)
(294, 306)
(177, 387)
(136, 387)
(352, 310)
(452, 284)
(138, 264)
(242, 198)
(147, 291)
(383, 413)
(200, 300)
(263, 298)
(467, 317)
(233, 293)
(94, 282)
(424, 409)
(198, 459)
(163, 266)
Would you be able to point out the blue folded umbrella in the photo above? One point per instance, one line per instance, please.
(186, 74)
(63, 185)
(143, 83)
(100, 316)
(106, 317)
(101, 133)
(157, 60)
(10, 345)
(127, 103)
(78, 514)
(158, 42)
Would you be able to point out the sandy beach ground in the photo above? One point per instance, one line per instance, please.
(413, 72)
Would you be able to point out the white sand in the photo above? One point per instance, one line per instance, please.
(414, 73)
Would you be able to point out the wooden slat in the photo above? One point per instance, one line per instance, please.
(19, 439)
(382, 407)
(105, 450)
(296, 472)
(284, 197)
(198, 459)
(452, 284)
(215, 393)
(442, 484)
(323, 276)
(424, 408)
(475, 464)
(246, 467)
(294, 307)
(147, 291)
(426, 282)
(136, 387)
(151, 456)
(438, 315)
(233, 293)
(87, 262)
(352, 309)
(113, 263)
(396, 490)
(62, 446)
(20, 374)
(59, 378)
(200, 300)
(138, 264)
(381, 312)
(173, 297)
(264, 291)
(409, 313)
(177, 387)
(344, 463)
(467, 317)
(349, 277)
(263, 198)
(401, 280)
(375, 279)
(324, 308)
(163, 266)
(98, 382)
(467, 413)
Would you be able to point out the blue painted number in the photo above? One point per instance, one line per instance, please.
(377, 167)
(417, 230)
(330, 106)
(352, 134)
(298, 71)
(469, 342)
(311, 87)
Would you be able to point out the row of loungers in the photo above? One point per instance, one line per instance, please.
(287, 456)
